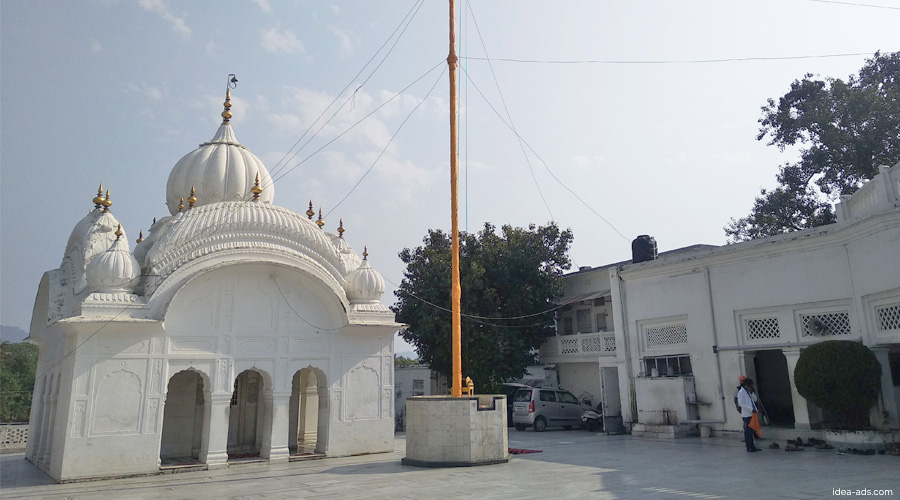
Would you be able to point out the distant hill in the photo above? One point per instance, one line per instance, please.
(12, 333)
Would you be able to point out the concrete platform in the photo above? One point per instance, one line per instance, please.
(573, 464)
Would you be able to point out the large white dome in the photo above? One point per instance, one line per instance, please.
(221, 169)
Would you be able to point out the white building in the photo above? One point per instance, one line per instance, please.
(665, 340)
(236, 329)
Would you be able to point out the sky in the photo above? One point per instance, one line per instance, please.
(613, 110)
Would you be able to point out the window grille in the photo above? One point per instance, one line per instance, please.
(763, 328)
(888, 317)
(666, 335)
(680, 365)
(835, 323)
(418, 385)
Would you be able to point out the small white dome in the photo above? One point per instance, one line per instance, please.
(364, 285)
(221, 169)
(113, 270)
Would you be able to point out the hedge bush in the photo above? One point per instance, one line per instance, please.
(841, 376)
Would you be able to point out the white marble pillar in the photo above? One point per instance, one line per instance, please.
(801, 410)
(275, 437)
(889, 418)
(215, 453)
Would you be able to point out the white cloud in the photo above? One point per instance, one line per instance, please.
(95, 45)
(345, 44)
(153, 93)
(588, 161)
(211, 48)
(286, 42)
(264, 6)
(335, 8)
(161, 9)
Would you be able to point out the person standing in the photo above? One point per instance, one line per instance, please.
(748, 408)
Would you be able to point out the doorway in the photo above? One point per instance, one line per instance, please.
(183, 417)
(773, 385)
(308, 413)
(245, 422)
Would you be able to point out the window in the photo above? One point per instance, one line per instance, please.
(523, 396)
(567, 326)
(601, 321)
(583, 318)
(567, 397)
(418, 387)
(668, 366)
(548, 396)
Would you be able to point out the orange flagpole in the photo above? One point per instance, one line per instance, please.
(456, 383)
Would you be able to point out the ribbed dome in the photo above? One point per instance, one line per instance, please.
(364, 285)
(219, 170)
(113, 270)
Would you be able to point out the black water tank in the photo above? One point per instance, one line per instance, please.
(643, 248)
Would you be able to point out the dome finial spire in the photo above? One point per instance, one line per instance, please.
(119, 232)
(231, 83)
(192, 199)
(320, 222)
(341, 228)
(366, 252)
(98, 200)
(309, 211)
(140, 236)
(256, 190)
(106, 202)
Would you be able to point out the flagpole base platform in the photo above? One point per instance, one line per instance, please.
(443, 431)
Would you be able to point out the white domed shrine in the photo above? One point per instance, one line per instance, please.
(236, 330)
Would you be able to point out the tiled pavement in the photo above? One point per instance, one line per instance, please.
(572, 464)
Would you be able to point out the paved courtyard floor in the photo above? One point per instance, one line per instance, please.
(572, 464)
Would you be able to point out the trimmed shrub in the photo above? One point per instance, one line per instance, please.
(840, 376)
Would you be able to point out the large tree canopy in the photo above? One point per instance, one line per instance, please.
(845, 130)
(509, 280)
(18, 363)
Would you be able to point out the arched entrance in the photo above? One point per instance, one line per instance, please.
(308, 413)
(247, 416)
(184, 414)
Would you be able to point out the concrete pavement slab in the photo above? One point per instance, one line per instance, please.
(571, 464)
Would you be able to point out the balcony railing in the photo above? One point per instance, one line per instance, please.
(581, 344)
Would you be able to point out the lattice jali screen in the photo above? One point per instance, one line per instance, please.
(836, 323)
(568, 346)
(592, 344)
(666, 335)
(609, 342)
(888, 317)
(763, 328)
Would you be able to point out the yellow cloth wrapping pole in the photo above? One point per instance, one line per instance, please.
(456, 383)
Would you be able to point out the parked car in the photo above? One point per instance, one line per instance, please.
(539, 407)
(510, 389)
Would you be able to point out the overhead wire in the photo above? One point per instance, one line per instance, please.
(667, 61)
(508, 114)
(283, 161)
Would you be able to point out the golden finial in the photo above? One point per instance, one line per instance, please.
(309, 211)
(140, 236)
(320, 222)
(341, 229)
(119, 232)
(226, 115)
(98, 200)
(256, 189)
(365, 252)
(181, 205)
(192, 199)
(106, 202)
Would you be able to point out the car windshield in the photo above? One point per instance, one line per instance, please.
(523, 396)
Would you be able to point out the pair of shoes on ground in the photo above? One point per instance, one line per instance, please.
(792, 447)
(754, 449)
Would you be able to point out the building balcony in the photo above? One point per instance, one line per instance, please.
(578, 347)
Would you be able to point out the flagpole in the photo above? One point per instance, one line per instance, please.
(456, 382)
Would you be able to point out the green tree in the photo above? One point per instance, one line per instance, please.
(404, 361)
(509, 281)
(845, 130)
(18, 362)
(841, 376)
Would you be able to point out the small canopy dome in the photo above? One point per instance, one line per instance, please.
(113, 270)
(364, 285)
(221, 169)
